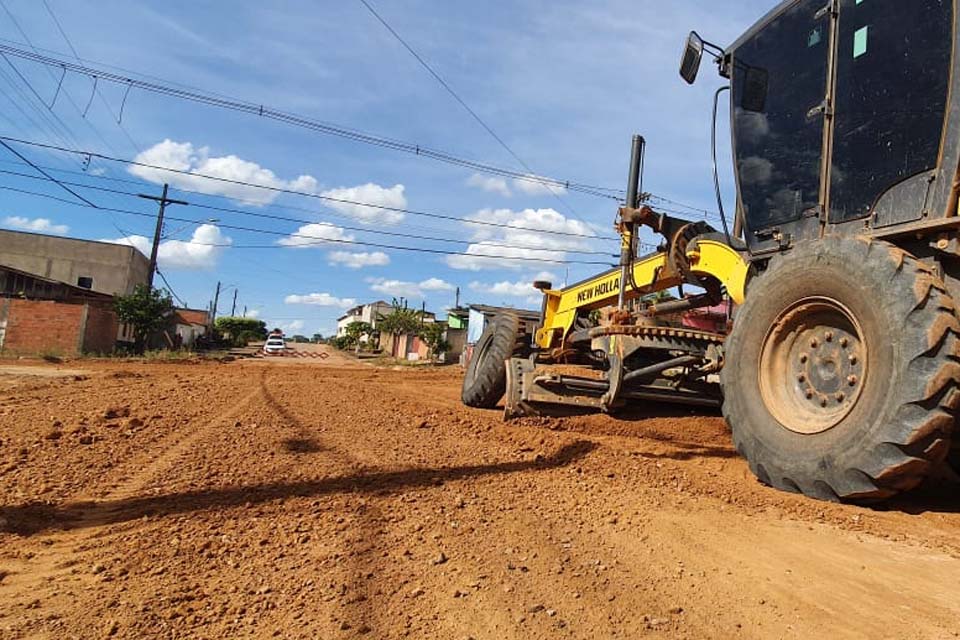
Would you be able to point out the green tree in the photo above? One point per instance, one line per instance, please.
(356, 331)
(241, 330)
(434, 334)
(317, 338)
(400, 321)
(146, 310)
(340, 342)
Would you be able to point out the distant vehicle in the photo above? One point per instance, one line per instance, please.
(274, 345)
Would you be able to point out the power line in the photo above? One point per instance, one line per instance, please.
(460, 100)
(96, 89)
(49, 177)
(318, 239)
(304, 193)
(170, 289)
(46, 117)
(303, 221)
(260, 110)
(49, 107)
(165, 87)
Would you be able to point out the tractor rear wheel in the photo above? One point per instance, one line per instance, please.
(842, 371)
(486, 378)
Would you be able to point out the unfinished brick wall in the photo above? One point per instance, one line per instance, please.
(101, 331)
(56, 328)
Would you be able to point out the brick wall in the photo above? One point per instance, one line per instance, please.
(57, 328)
(101, 331)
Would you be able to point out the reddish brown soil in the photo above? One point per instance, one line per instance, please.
(326, 499)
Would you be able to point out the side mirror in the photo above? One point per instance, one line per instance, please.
(692, 56)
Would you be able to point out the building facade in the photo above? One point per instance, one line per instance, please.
(101, 267)
(369, 313)
(39, 316)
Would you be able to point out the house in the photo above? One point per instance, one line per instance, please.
(100, 267)
(408, 346)
(369, 313)
(190, 324)
(41, 315)
(480, 315)
(457, 320)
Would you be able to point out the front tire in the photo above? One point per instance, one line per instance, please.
(842, 371)
(485, 381)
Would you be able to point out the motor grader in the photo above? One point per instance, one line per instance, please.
(839, 375)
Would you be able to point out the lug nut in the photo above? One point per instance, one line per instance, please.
(809, 395)
(844, 343)
(802, 378)
(823, 402)
(841, 397)
(853, 360)
(814, 343)
(852, 381)
(829, 336)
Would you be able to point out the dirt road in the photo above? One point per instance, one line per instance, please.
(328, 499)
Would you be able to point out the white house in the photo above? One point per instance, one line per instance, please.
(369, 313)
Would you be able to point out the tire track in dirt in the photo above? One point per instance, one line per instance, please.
(55, 556)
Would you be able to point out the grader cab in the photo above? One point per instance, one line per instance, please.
(839, 378)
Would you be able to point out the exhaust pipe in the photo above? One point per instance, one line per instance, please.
(629, 240)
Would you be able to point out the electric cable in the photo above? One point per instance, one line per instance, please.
(260, 110)
(462, 103)
(302, 193)
(96, 89)
(318, 240)
(303, 221)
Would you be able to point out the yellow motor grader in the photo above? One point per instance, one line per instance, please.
(839, 375)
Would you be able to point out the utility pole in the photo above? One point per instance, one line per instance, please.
(244, 311)
(457, 305)
(216, 299)
(233, 309)
(164, 201)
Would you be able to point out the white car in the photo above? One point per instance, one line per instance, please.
(274, 345)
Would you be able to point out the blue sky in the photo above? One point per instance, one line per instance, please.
(564, 83)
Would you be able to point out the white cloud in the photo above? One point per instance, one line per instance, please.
(536, 186)
(359, 259)
(518, 289)
(320, 300)
(200, 252)
(293, 326)
(369, 194)
(522, 229)
(436, 284)
(37, 225)
(315, 235)
(402, 289)
(252, 313)
(490, 183)
(184, 157)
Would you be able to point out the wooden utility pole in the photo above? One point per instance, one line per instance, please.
(216, 300)
(164, 201)
(233, 308)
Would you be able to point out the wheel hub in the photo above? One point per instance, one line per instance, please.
(813, 365)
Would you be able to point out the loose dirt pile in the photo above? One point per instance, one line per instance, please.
(333, 500)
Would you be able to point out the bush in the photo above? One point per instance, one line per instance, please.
(241, 330)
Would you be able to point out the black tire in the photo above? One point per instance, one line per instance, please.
(900, 415)
(953, 458)
(486, 378)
